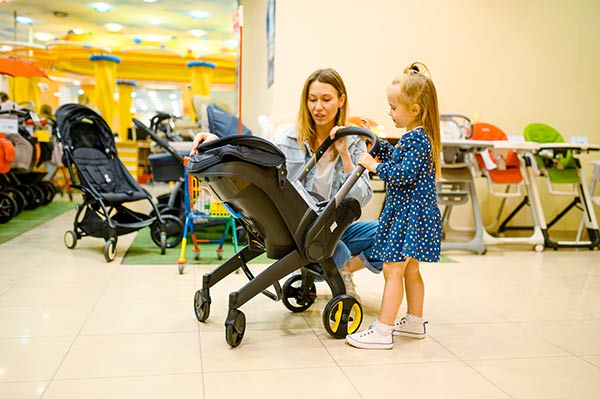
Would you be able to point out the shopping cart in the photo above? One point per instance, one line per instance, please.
(200, 211)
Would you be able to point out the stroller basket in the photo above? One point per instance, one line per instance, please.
(248, 175)
(126, 221)
(165, 167)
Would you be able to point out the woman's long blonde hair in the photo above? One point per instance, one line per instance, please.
(305, 125)
(416, 87)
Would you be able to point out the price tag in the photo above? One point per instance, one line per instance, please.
(9, 125)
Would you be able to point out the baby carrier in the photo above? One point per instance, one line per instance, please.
(90, 155)
(248, 175)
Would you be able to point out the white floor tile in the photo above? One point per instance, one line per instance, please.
(423, 380)
(492, 341)
(31, 359)
(22, 390)
(579, 337)
(542, 378)
(42, 321)
(181, 386)
(131, 355)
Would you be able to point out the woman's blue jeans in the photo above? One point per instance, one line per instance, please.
(358, 240)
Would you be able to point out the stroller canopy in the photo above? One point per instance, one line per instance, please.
(222, 123)
(80, 126)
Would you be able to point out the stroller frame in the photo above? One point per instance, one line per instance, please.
(298, 233)
(104, 181)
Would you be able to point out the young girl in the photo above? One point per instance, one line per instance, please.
(410, 224)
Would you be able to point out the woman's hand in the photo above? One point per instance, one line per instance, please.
(200, 138)
(341, 144)
(368, 162)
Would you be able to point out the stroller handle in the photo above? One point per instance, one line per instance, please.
(357, 172)
(346, 131)
(162, 143)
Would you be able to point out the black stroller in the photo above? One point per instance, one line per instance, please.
(91, 157)
(248, 174)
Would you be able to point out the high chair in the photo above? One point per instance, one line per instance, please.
(506, 178)
(457, 186)
(595, 198)
(562, 172)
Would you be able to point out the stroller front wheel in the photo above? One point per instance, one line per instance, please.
(70, 239)
(201, 306)
(342, 316)
(110, 249)
(235, 327)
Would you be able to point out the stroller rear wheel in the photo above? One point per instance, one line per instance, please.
(342, 316)
(110, 249)
(293, 296)
(173, 229)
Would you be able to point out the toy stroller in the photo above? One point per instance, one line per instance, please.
(89, 147)
(248, 175)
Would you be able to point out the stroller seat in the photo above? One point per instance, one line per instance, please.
(248, 175)
(105, 177)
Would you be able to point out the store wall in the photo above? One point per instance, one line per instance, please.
(509, 62)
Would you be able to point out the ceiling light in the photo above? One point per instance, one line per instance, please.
(153, 38)
(154, 21)
(78, 31)
(101, 7)
(199, 15)
(6, 48)
(113, 27)
(24, 20)
(230, 43)
(149, 1)
(43, 36)
(197, 32)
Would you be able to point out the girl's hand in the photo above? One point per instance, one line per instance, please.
(341, 145)
(201, 138)
(368, 162)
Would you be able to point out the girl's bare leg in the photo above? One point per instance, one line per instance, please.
(393, 291)
(415, 289)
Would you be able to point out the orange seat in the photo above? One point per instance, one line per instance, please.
(508, 167)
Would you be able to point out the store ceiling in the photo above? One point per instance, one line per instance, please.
(190, 28)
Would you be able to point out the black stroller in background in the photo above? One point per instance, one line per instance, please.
(90, 154)
(248, 174)
(168, 167)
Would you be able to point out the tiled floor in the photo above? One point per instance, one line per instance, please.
(510, 324)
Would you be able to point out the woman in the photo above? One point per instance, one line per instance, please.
(324, 107)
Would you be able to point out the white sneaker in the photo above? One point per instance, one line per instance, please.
(371, 338)
(411, 329)
(349, 284)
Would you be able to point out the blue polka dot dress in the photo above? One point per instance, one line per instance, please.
(410, 223)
